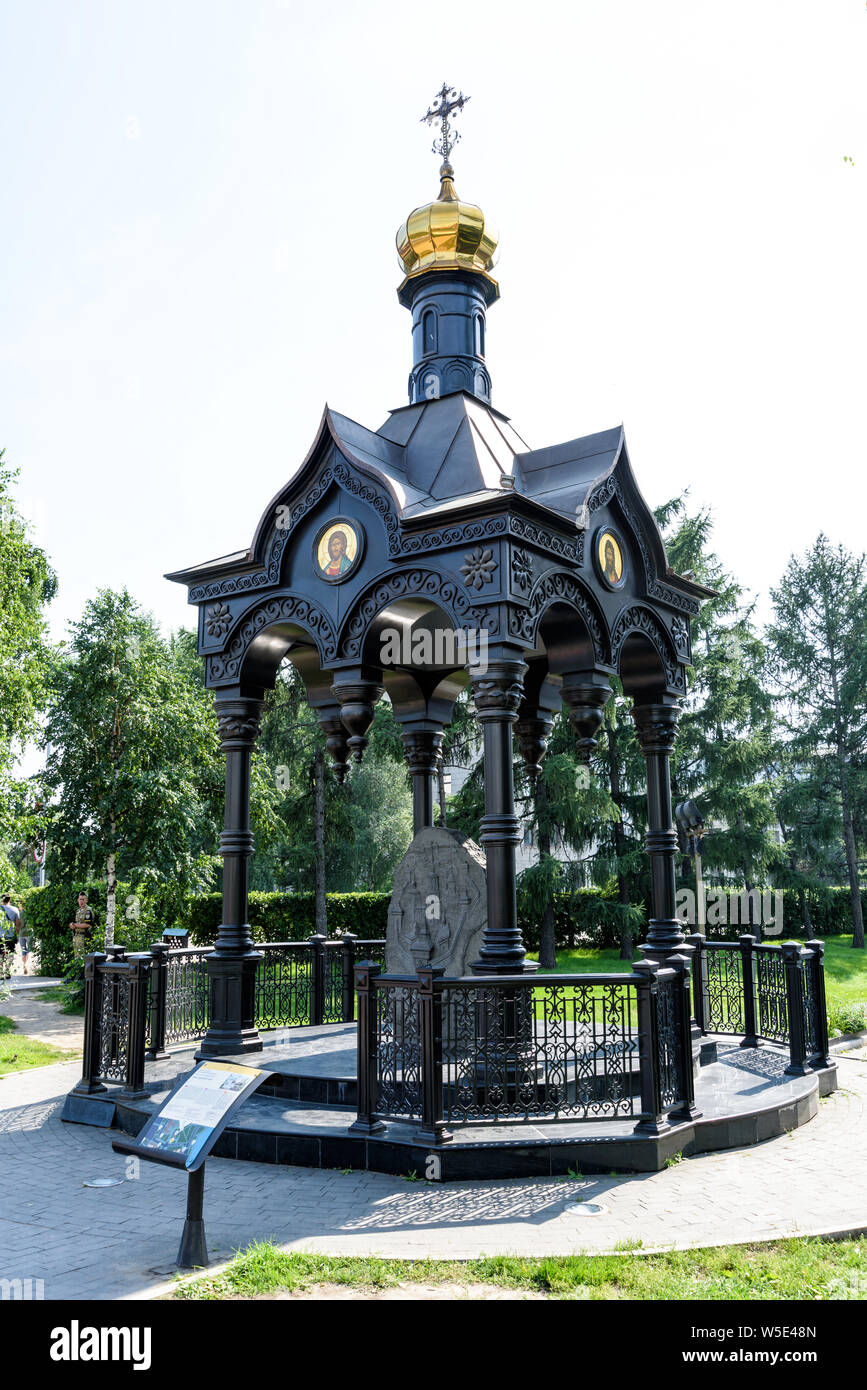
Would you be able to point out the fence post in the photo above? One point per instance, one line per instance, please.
(817, 965)
(158, 984)
(317, 982)
(348, 940)
(747, 941)
(366, 974)
(697, 942)
(139, 970)
(652, 1121)
(430, 1004)
(93, 985)
(688, 1110)
(792, 962)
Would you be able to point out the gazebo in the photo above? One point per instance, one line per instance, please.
(435, 554)
(439, 551)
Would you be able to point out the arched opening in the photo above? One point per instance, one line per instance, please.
(641, 669)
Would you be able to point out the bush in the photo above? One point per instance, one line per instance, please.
(846, 1018)
(291, 916)
(48, 912)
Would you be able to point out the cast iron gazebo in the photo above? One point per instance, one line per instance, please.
(435, 553)
(444, 520)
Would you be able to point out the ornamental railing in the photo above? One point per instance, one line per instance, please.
(439, 1052)
(137, 1005)
(764, 991)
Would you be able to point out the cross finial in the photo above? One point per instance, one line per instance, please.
(447, 100)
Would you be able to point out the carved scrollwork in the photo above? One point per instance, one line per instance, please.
(289, 609)
(639, 619)
(425, 583)
(558, 587)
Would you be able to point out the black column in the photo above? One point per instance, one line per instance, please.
(656, 726)
(422, 750)
(497, 695)
(232, 964)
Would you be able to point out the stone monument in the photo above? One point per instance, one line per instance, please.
(438, 908)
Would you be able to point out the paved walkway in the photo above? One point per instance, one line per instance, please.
(104, 1243)
(41, 1018)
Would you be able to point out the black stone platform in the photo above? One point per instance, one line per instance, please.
(302, 1114)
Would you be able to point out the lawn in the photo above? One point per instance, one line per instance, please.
(18, 1052)
(792, 1269)
(845, 969)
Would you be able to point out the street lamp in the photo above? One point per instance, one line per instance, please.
(691, 822)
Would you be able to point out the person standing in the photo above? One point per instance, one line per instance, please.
(14, 916)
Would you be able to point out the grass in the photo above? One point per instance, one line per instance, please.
(792, 1269)
(845, 969)
(18, 1052)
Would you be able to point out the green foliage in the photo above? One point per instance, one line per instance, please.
(48, 912)
(291, 916)
(27, 585)
(368, 819)
(133, 758)
(818, 644)
(846, 1018)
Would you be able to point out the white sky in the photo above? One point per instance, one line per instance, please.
(199, 206)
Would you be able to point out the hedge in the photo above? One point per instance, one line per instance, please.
(588, 916)
(291, 916)
(47, 913)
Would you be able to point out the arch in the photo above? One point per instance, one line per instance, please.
(560, 588)
(423, 586)
(264, 633)
(479, 334)
(643, 653)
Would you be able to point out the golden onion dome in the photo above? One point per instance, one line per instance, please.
(447, 235)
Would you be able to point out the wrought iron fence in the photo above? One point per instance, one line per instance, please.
(510, 1049)
(115, 1003)
(760, 990)
(136, 1006)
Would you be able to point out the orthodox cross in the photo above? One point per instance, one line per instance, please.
(447, 100)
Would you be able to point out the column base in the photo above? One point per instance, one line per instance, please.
(524, 967)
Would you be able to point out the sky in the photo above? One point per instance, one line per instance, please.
(199, 209)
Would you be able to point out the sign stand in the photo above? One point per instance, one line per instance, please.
(193, 1252)
(183, 1132)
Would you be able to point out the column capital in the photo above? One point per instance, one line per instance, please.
(238, 719)
(422, 749)
(499, 689)
(656, 727)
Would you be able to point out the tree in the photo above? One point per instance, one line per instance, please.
(133, 754)
(818, 645)
(27, 585)
(727, 731)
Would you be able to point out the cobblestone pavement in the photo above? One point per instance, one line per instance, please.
(105, 1243)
